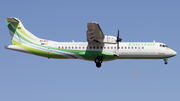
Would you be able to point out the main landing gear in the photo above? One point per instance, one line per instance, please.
(98, 61)
(165, 61)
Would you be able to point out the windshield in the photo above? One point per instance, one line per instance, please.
(163, 45)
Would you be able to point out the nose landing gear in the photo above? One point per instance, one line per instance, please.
(165, 61)
(98, 61)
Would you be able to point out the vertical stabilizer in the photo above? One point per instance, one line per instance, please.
(19, 35)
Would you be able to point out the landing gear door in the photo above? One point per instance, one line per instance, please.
(116, 52)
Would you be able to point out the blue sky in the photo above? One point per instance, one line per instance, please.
(25, 77)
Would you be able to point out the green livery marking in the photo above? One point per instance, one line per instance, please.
(16, 25)
(141, 44)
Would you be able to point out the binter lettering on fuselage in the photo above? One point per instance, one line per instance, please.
(142, 44)
(98, 48)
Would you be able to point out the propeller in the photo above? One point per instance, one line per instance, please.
(118, 40)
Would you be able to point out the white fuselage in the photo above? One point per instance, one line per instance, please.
(126, 50)
(144, 50)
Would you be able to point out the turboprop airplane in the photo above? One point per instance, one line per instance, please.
(98, 48)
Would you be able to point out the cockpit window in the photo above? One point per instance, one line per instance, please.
(163, 45)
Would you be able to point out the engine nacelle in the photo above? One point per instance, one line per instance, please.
(108, 39)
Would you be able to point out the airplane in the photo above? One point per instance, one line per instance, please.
(98, 48)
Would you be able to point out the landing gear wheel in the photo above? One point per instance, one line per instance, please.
(98, 61)
(165, 62)
(98, 65)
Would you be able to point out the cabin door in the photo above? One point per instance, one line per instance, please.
(115, 52)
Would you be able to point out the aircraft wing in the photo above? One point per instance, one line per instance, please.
(94, 33)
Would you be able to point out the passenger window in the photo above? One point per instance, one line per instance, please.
(79, 47)
(115, 47)
(72, 47)
(94, 47)
(76, 47)
(107, 47)
(97, 47)
(90, 47)
(83, 47)
(104, 47)
(111, 47)
(59, 47)
(101, 47)
(65, 47)
(139, 47)
(125, 47)
(62, 47)
(142, 47)
(128, 47)
(69, 47)
(121, 47)
(131, 47)
(135, 47)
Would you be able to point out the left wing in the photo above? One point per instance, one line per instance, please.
(94, 33)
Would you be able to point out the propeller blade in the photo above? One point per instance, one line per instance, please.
(118, 40)
(118, 34)
(117, 45)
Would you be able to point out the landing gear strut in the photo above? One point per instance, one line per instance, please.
(98, 61)
(165, 61)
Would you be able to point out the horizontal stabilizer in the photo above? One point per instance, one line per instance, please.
(12, 19)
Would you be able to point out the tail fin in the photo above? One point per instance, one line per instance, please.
(19, 35)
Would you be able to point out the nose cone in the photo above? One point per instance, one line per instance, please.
(174, 53)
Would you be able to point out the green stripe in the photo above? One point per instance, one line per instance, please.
(21, 37)
(15, 42)
(91, 55)
(16, 25)
(40, 52)
(45, 54)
